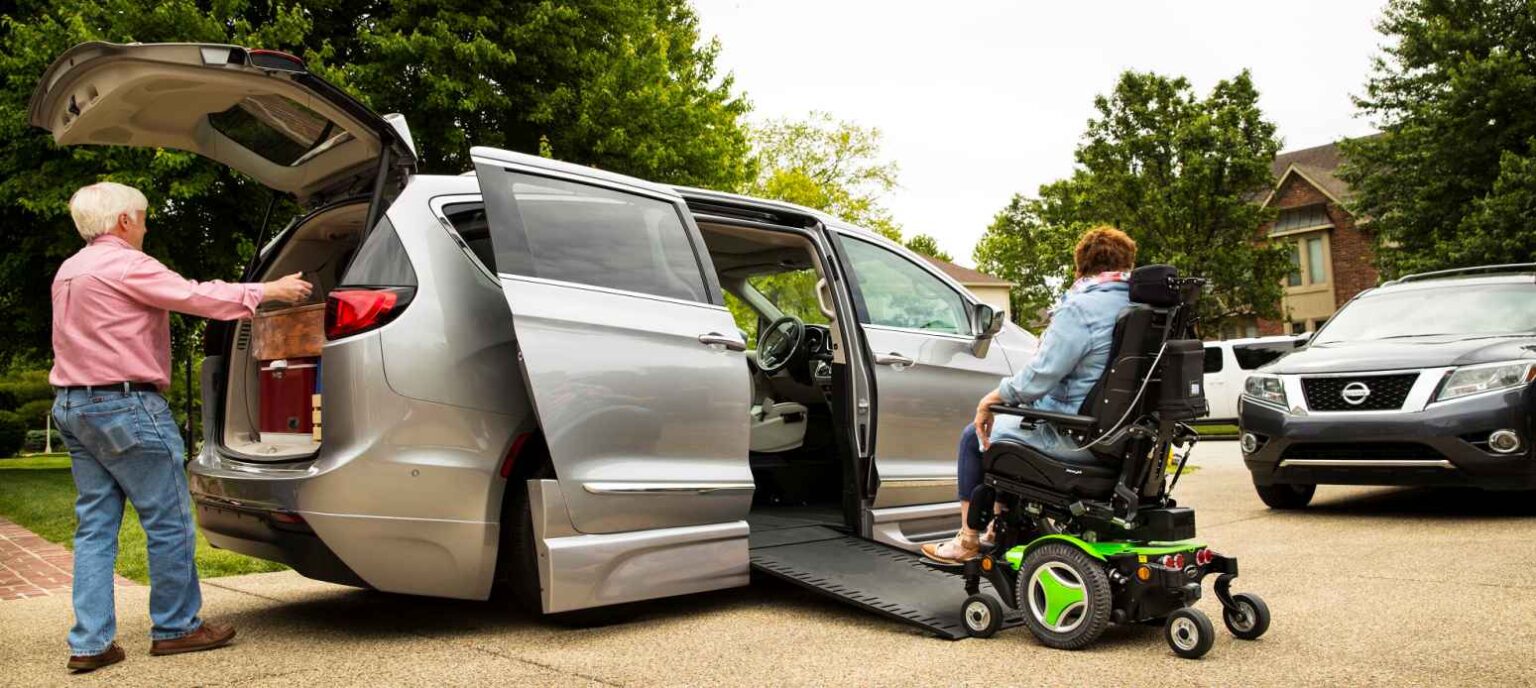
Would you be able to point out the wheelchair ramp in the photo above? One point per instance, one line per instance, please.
(868, 575)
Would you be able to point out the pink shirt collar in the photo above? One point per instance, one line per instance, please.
(112, 239)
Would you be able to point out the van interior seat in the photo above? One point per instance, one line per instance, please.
(777, 426)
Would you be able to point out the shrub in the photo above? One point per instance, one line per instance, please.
(35, 441)
(13, 434)
(35, 413)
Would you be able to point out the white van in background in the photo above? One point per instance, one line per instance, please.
(1227, 364)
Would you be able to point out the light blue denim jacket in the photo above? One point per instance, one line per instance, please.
(1073, 353)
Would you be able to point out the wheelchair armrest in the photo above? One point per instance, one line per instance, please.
(1068, 420)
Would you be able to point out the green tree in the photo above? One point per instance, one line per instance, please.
(1451, 182)
(625, 86)
(826, 164)
(1175, 171)
(928, 246)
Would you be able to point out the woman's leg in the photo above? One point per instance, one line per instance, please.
(966, 543)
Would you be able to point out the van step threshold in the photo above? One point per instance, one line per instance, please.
(876, 577)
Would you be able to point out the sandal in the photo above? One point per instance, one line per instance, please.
(963, 547)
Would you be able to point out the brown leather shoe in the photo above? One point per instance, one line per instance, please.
(210, 635)
(83, 663)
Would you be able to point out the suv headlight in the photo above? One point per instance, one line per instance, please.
(1265, 388)
(1488, 377)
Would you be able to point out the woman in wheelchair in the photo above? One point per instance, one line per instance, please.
(1072, 356)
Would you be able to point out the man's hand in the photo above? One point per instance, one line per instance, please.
(290, 289)
(984, 418)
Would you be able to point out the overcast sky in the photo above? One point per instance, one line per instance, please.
(978, 101)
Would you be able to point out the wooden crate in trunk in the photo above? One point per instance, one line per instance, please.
(297, 332)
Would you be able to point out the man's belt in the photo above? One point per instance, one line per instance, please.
(124, 387)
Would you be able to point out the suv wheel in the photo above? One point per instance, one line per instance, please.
(1280, 496)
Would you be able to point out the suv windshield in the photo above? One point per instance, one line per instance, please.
(1463, 311)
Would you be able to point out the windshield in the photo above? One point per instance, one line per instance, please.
(1471, 310)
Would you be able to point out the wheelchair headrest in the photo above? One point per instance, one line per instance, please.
(1153, 286)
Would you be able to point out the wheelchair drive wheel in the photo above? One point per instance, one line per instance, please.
(1065, 596)
(1190, 633)
(1248, 617)
(982, 614)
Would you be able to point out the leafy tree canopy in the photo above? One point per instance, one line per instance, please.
(829, 165)
(928, 246)
(1451, 182)
(1175, 171)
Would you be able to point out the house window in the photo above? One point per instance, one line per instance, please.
(1305, 217)
(1298, 327)
(1308, 262)
(1315, 260)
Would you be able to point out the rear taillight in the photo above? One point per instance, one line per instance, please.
(273, 59)
(1173, 561)
(508, 461)
(350, 311)
(1204, 556)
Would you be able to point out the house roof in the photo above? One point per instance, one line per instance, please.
(1318, 165)
(967, 276)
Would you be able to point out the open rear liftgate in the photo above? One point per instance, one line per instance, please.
(865, 574)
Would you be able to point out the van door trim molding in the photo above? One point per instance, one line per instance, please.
(633, 488)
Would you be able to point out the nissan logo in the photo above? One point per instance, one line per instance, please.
(1355, 393)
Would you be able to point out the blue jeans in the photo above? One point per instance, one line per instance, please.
(968, 464)
(127, 446)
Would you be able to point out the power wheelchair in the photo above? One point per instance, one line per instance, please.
(1083, 545)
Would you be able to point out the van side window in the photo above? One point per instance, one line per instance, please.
(1213, 359)
(896, 293)
(468, 219)
(602, 237)
(381, 261)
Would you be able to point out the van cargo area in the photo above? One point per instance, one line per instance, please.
(273, 397)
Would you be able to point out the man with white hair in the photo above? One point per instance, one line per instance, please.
(111, 365)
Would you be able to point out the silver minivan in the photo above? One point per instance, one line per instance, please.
(530, 373)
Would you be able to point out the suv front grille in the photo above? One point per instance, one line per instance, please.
(1381, 392)
(1361, 451)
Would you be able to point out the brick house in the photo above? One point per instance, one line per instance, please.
(1331, 256)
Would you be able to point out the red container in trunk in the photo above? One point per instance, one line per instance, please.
(287, 389)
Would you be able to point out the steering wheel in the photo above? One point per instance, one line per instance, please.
(779, 343)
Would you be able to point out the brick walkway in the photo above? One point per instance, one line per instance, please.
(33, 567)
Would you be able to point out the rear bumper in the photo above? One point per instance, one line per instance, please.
(1441, 455)
(273, 535)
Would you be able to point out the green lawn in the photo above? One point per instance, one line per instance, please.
(1217, 430)
(38, 493)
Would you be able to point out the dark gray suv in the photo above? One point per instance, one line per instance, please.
(1427, 380)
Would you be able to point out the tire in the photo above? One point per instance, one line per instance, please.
(1080, 611)
(1189, 633)
(982, 615)
(1248, 618)
(1286, 497)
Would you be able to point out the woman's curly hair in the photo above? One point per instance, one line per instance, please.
(1104, 249)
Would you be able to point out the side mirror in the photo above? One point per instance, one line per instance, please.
(989, 321)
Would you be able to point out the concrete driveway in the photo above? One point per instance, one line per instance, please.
(1380, 586)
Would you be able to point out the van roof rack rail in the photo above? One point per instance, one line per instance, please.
(1457, 272)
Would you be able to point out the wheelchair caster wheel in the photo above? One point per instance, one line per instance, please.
(1190, 633)
(1248, 617)
(982, 615)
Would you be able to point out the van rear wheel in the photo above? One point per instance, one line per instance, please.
(518, 560)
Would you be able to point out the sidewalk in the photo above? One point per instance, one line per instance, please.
(33, 567)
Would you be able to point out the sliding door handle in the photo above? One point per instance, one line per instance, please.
(719, 342)
(894, 360)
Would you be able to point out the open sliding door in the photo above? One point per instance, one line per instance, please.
(639, 378)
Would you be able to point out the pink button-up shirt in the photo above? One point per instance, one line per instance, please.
(111, 314)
